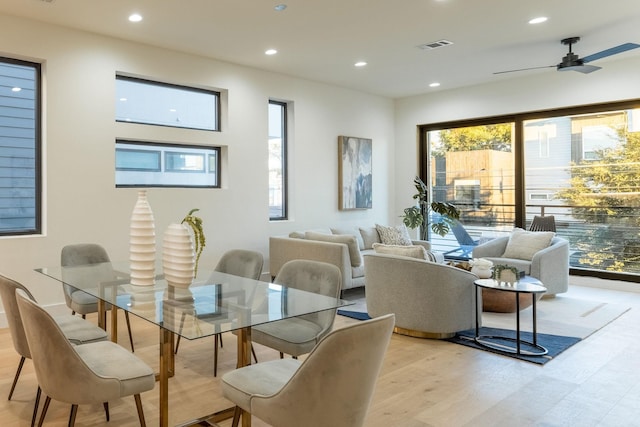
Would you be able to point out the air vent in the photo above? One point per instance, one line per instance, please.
(435, 45)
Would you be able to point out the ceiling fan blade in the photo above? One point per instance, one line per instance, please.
(523, 69)
(586, 69)
(611, 51)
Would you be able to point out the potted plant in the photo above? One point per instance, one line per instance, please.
(199, 240)
(418, 216)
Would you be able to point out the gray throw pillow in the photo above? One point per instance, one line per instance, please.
(394, 235)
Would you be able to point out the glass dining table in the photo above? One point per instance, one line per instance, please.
(214, 303)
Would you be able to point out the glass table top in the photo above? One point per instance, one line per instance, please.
(215, 302)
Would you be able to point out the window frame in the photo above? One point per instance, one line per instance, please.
(37, 135)
(284, 156)
(171, 147)
(216, 94)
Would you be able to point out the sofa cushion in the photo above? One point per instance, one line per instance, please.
(369, 236)
(413, 251)
(394, 235)
(525, 244)
(348, 239)
(350, 230)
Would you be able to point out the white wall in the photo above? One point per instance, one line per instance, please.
(81, 201)
(548, 89)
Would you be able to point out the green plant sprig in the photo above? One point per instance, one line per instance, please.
(195, 223)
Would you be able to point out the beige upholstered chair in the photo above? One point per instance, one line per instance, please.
(298, 335)
(549, 265)
(320, 391)
(86, 374)
(430, 300)
(75, 329)
(238, 262)
(78, 301)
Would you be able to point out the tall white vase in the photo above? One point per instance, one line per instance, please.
(178, 256)
(142, 243)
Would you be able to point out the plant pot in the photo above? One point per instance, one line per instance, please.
(178, 256)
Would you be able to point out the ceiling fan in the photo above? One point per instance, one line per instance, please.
(572, 62)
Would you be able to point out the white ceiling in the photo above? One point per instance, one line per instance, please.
(321, 40)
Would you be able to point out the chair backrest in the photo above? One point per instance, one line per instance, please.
(543, 223)
(61, 372)
(83, 254)
(241, 262)
(462, 236)
(325, 393)
(8, 289)
(317, 277)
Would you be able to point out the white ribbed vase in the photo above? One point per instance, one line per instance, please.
(142, 243)
(178, 256)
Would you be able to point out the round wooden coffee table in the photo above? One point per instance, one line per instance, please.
(501, 343)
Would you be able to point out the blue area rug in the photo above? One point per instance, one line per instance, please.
(555, 344)
(354, 314)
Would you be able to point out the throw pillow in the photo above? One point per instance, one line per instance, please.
(413, 251)
(369, 236)
(350, 230)
(394, 235)
(525, 244)
(348, 239)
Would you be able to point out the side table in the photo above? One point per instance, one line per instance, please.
(493, 341)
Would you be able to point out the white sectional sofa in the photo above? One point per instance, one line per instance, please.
(340, 246)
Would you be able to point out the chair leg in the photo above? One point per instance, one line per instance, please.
(126, 317)
(106, 410)
(15, 379)
(215, 354)
(178, 339)
(236, 417)
(35, 407)
(281, 355)
(45, 407)
(253, 351)
(72, 415)
(140, 411)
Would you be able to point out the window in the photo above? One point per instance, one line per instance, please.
(142, 164)
(277, 160)
(154, 103)
(20, 184)
(578, 164)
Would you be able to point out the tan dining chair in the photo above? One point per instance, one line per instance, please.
(86, 374)
(317, 392)
(78, 301)
(75, 329)
(238, 262)
(298, 335)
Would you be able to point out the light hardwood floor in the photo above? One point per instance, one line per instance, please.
(423, 382)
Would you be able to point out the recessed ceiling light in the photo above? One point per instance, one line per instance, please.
(123, 99)
(270, 52)
(135, 17)
(280, 7)
(434, 84)
(16, 89)
(538, 20)
(360, 64)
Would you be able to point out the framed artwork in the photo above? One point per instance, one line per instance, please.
(354, 171)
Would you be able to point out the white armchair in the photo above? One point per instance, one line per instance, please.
(549, 265)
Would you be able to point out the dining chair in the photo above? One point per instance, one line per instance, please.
(75, 329)
(78, 301)
(237, 262)
(86, 374)
(316, 392)
(298, 335)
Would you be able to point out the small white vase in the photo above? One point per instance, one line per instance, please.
(178, 256)
(142, 243)
(481, 271)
